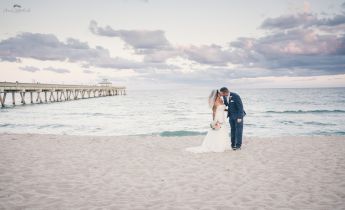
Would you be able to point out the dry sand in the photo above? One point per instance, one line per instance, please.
(74, 172)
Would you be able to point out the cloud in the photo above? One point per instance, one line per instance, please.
(139, 39)
(303, 20)
(289, 21)
(48, 47)
(29, 68)
(208, 54)
(88, 71)
(292, 49)
(38, 46)
(216, 55)
(297, 52)
(298, 42)
(57, 70)
(208, 76)
(334, 21)
(34, 69)
(152, 44)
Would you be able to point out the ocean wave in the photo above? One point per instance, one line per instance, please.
(51, 126)
(290, 122)
(328, 133)
(306, 111)
(286, 122)
(92, 114)
(16, 125)
(181, 133)
(6, 125)
(318, 123)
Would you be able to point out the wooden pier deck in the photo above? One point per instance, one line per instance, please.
(45, 93)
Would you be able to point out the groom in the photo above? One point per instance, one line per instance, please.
(235, 114)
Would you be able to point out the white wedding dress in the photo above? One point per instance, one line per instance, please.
(215, 140)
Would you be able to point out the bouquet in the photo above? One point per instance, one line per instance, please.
(216, 125)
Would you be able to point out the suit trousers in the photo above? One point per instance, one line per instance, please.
(236, 133)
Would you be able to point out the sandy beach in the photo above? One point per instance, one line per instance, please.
(85, 172)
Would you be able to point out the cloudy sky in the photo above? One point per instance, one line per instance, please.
(160, 44)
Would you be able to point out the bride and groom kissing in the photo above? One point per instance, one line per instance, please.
(217, 138)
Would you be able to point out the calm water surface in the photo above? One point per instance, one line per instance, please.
(270, 112)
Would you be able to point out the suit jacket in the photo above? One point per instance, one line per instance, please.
(235, 106)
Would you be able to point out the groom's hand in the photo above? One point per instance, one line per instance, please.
(239, 120)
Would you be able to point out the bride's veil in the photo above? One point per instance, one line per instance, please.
(212, 98)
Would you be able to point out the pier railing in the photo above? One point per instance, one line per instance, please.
(55, 92)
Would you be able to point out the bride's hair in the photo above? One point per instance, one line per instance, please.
(212, 98)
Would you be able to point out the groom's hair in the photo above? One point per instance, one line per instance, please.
(224, 89)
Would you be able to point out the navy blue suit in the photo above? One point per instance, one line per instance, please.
(235, 111)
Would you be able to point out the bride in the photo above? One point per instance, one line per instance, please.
(217, 138)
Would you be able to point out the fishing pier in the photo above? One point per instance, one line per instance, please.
(48, 93)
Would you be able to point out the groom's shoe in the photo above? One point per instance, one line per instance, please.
(234, 148)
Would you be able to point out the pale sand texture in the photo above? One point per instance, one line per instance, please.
(73, 172)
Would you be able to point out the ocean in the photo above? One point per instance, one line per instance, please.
(183, 112)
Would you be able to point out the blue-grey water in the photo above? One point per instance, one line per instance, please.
(270, 112)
